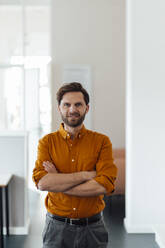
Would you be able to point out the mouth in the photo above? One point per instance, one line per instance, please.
(75, 115)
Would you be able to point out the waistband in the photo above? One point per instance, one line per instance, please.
(80, 222)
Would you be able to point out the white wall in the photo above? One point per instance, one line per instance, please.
(145, 129)
(92, 33)
(13, 154)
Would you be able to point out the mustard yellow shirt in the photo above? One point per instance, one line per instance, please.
(89, 151)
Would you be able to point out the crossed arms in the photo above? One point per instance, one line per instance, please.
(83, 183)
(77, 184)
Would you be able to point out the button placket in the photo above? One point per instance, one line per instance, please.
(70, 144)
(72, 150)
(72, 153)
(75, 212)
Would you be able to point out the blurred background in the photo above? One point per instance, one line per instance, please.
(115, 48)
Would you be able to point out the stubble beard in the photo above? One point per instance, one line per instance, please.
(74, 123)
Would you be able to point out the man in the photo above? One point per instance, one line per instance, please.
(75, 166)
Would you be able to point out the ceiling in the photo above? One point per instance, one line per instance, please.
(26, 2)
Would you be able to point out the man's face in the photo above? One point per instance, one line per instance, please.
(73, 109)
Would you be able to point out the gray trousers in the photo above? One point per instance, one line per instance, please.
(57, 234)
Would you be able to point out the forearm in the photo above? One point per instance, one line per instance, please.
(87, 189)
(60, 182)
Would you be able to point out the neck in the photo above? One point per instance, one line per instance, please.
(73, 131)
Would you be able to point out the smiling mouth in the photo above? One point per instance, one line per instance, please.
(71, 116)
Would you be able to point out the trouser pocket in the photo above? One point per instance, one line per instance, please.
(46, 228)
(53, 233)
(97, 235)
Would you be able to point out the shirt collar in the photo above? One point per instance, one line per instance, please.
(66, 135)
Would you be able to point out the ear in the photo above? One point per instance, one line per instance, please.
(87, 108)
(59, 108)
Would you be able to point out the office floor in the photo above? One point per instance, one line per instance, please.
(113, 214)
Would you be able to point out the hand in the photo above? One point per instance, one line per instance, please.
(49, 167)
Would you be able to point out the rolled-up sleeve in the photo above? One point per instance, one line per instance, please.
(105, 167)
(42, 155)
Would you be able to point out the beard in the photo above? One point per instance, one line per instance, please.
(73, 120)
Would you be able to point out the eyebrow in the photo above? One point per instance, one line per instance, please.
(78, 102)
(74, 103)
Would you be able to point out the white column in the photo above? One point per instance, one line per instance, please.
(145, 116)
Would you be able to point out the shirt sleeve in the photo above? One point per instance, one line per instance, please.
(105, 167)
(42, 155)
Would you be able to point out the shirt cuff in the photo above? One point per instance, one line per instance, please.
(37, 176)
(106, 183)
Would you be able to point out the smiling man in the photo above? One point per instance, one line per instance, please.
(76, 167)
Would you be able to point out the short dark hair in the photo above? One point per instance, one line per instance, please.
(72, 87)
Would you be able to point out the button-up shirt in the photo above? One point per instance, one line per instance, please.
(87, 152)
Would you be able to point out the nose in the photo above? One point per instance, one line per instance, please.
(72, 109)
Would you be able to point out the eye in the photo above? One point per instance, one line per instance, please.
(78, 104)
(66, 104)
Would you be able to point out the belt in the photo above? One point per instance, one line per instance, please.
(80, 222)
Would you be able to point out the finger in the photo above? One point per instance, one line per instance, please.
(46, 164)
(46, 167)
(51, 164)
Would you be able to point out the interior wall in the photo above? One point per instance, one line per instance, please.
(13, 153)
(145, 130)
(93, 33)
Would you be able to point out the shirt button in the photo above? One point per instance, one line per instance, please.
(72, 160)
(74, 209)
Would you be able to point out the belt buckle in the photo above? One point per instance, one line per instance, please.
(71, 221)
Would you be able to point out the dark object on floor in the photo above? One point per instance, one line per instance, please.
(4, 182)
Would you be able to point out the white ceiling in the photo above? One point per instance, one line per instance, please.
(27, 2)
